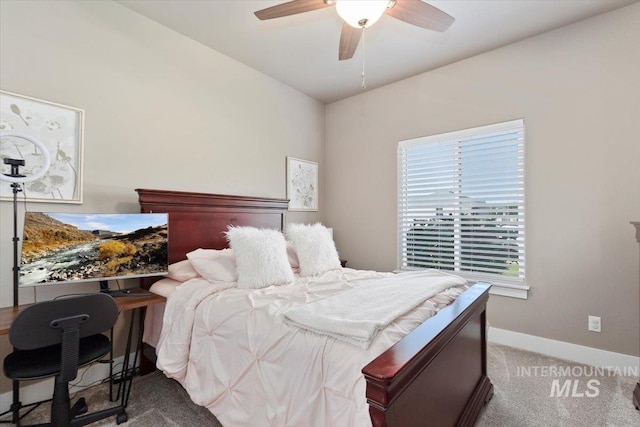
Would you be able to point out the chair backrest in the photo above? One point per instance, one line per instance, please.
(42, 324)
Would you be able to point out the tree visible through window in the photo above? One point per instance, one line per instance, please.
(461, 202)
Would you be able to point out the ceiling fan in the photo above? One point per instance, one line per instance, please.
(359, 14)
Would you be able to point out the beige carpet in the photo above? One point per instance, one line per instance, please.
(522, 398)
(523, 387)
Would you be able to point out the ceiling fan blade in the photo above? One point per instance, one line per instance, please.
(421, 14)
(349, 39)
(290, 8)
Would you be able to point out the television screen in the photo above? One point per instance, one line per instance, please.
(71, 247)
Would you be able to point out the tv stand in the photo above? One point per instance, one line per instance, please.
(115, 293)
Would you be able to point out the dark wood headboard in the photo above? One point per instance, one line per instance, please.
(199, 220)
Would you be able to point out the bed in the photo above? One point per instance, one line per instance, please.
(435, 375)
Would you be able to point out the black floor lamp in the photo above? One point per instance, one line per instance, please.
(17, 179)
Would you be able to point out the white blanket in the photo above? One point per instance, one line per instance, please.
(356, 315)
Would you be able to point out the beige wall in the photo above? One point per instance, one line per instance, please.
(152, 96)
(162, 111)
(578, 90)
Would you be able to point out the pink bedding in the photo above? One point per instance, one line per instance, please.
(232, 351)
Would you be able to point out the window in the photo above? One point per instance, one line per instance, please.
(461, 205)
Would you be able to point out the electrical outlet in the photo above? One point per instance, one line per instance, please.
(595, 324)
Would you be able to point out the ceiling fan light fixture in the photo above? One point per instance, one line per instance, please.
(361, 13)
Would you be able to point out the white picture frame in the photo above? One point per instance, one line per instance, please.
(302, 184)
(60, 128)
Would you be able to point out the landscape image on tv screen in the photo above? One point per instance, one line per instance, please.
(69, 247)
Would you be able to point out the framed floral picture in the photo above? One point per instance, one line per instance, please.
(302, 184)
(59, 128)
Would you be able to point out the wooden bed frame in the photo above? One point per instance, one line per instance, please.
(436, 375)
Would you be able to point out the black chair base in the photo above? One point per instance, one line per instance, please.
(91, 418)
(119, 411)
(79, 408)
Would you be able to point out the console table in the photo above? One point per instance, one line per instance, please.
(7, 314)
(636, 392)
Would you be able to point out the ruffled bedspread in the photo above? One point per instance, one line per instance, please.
(233, 352)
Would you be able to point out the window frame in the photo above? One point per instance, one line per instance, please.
(502, 285)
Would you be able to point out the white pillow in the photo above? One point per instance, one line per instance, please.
(164, 287)
(261, 257)
(214, 265)
(315, 248)
(182, 271)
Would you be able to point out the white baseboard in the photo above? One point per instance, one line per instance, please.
(564, 350)
(43, 390)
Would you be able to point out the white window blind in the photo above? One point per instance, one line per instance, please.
(461, 203)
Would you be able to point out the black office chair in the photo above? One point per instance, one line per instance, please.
(54, 338)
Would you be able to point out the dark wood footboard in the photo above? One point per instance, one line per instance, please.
(436, 375)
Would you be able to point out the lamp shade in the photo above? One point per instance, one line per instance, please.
(355, 11)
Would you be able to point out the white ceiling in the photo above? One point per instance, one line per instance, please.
(302, 50)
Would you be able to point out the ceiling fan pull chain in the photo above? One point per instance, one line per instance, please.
(364, 85)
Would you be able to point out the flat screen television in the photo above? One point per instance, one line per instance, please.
(80, 247)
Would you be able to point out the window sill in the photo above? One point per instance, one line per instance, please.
(502, 289)
(521, 292)
(499, 286)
